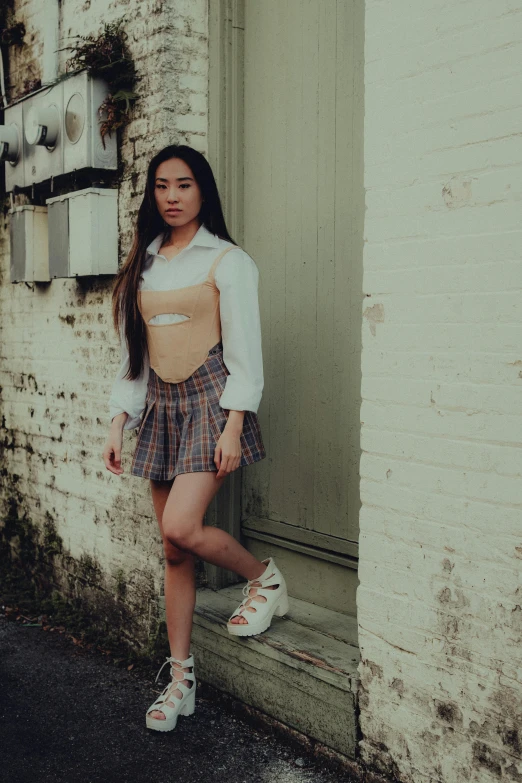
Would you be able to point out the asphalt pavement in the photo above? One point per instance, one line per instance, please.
(70, 715)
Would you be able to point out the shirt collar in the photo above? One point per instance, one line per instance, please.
(202, 237)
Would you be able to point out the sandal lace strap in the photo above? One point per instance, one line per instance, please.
(185, 664)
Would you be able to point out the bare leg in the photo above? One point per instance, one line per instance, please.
(180, 588)
(183, 528)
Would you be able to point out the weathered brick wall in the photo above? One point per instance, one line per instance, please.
(59, 352)
(440, 599)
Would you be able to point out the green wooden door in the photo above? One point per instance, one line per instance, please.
(300, 70)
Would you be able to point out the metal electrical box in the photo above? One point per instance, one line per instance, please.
(83, 144)
(58, 227)
(56, 130)
(29, 244)
(15, 158)
(83, 233)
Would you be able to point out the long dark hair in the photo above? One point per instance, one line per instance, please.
(127, 318)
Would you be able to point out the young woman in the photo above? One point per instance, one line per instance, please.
(185, 305)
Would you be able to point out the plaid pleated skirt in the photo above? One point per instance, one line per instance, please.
(182, 423)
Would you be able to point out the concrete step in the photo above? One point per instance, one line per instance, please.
(302, 671)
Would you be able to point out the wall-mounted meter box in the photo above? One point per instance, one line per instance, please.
(83, 144)
(83, 233)
(42, 132)
(56, 130)
(29, 244)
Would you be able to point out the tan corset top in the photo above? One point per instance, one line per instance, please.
(176, 350)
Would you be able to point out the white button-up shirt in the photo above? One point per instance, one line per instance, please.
(237, 278)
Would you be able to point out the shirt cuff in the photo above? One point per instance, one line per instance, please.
(132, 422)
(239, 398)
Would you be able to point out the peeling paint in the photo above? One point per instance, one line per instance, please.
(374, 315)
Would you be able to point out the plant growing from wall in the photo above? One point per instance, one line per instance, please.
(107, 56)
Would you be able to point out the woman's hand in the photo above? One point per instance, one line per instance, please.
(112, 450)
(227, 454)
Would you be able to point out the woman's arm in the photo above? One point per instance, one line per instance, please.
(237, 278)
(128, 397)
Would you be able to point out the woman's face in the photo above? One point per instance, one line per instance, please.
(178, 196)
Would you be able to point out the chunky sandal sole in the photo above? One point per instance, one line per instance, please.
(280, 608)
(187, 708)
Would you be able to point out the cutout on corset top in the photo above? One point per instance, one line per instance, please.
(168, 318)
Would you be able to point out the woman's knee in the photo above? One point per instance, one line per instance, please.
(182, 535)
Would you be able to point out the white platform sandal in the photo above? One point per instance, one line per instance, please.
(167, 702)
(258, 614)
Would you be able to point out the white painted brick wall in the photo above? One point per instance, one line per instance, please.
(59, 351)
(441, 546)
(440, 596)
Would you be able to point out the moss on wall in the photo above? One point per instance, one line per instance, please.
(40, 577)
